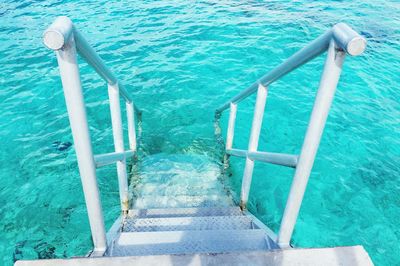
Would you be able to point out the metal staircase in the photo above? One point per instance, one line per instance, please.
(178, 211)
(214, 233)
(182, 207)
(179, 180)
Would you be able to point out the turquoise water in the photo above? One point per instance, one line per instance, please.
(180, 60)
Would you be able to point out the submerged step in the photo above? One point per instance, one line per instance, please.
(174, 175)
(215, 200)
(188, 242)
(188, 223)
(185, 212)
(181, 188)
(179, 180)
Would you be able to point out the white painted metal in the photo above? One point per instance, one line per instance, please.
(115, 108)
(261, 225)
(323, 101)
(345, 37)
(113, 157)
(253, 143)
(237, 152)
(62, 37)
(339, 40)
(267, 157)
(348, 40)
(58, 35)
(66, 41)
(274, 158)
(114, 231)
(130, 112)
(231, 126)
(69, 71)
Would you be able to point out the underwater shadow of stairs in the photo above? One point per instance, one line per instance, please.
(178, 181)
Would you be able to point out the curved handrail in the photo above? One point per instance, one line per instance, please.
(345, 38)
(59, 34)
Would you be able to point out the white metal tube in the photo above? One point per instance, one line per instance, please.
(267, 157)
(93, 59)
(59, 33)
(274, 158)
(237, 152)
(346, 38)
(112, 157)
(115, 109)
(322, 104)
(130, 113)
(69, 72)
(253, 143)
(231, 126)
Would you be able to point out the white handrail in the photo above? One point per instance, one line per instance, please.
(66, 41)
(345, 38)
(283, 159)
(112, 157)
(338, 41)
(58, 36)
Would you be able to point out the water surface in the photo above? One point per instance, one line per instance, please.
(180, 60)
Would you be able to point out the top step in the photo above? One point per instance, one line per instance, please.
(184, 212)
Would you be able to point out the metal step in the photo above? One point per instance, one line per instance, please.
(215, 200)
(188, 223)
(178, 189)
(185, 212)
(188, 242)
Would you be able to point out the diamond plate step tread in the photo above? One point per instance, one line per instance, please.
(178, 189)
(188, 223)
(182, 201)
(188, 242)
(184, 212)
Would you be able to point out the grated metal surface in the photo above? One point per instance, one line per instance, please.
(184, 212)
(188, 223)
(181, 207)
(188, 242)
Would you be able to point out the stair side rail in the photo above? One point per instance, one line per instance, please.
(63, 37)
(337, 41)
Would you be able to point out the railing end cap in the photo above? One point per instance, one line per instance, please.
(348, 39)
(58, 33)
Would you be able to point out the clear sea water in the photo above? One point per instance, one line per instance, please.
(180, 60)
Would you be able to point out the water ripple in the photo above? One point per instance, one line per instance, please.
(180, 60)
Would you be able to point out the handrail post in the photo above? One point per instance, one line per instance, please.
(230, 132)
(231, 126)
(130, 113)
(69, 71)
(326, 91)
(253, 143)
(115, 109)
